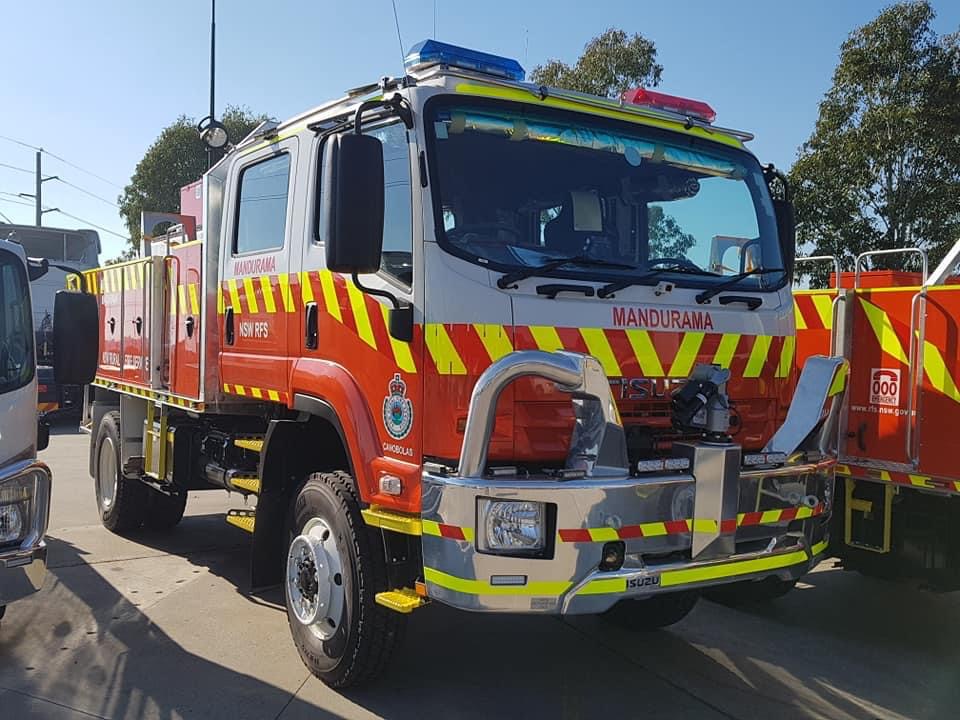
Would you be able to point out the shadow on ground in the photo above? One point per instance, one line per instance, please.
(99, 638)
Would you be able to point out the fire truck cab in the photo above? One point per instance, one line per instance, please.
(463, 339)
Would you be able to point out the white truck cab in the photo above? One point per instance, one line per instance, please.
(24, 482)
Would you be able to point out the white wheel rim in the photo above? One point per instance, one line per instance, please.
(107, 475)
(315, 583)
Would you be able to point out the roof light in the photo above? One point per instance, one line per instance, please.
(433, 52)
(670, 103)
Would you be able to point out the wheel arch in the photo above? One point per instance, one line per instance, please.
(292, 449)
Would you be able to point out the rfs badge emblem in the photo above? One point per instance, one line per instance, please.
(397, 409)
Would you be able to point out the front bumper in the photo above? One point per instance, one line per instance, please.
(23, 566)
(716, 523)
(779, 540)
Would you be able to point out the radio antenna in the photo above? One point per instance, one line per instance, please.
(396, 20)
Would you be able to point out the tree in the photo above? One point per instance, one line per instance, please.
(177, 157)
(882, 167)
(610, 64)
(667, 238)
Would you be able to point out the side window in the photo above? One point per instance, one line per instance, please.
(262, 215)
(397, 258)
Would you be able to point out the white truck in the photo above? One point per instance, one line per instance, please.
(24, 482)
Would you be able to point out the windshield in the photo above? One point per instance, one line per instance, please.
(16, 338)
(517, 189)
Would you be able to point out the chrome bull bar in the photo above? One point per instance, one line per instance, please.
(602, 498)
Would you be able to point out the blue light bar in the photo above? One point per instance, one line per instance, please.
(431, 52)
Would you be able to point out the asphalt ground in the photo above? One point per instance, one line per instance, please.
(161, 626)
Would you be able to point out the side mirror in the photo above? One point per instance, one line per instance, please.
(76, 337)
(353, 205)
(787, 232)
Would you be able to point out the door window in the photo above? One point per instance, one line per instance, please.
(262, 214)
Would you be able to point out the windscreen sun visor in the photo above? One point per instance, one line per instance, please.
(634, 150)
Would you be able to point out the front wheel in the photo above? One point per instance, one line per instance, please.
(653, 613)
(335, 567)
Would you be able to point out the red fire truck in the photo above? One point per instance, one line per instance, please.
(898, 505)
(469, 340)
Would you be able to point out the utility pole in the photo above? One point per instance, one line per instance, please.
(38, 192)
(39, 216)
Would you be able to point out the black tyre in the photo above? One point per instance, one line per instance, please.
(334, 569)
(653, 613)
(3, 611)
(121, 501)
(750, 593)
(164, 511)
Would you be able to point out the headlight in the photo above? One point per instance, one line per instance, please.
(511, 526)
(24, 505)
(11, 522)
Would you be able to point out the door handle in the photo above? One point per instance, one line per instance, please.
(189, 323)
(310, 334)
(228, 326)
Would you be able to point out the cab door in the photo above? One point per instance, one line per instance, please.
(342, 324)
(255, 267)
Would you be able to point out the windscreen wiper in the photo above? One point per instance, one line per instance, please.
(730, 282)
(611, 288)
(507, 280)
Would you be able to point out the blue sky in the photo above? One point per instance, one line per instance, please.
(95, 82)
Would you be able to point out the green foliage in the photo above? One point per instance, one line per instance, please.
(667, 238)
(611, 63)
(177, 157)
(882, 167)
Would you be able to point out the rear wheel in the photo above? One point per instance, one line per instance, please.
(750, 593)
(334, 569)
(653, 613)
(121, 501)
(164, 511)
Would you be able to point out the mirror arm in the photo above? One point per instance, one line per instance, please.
(71, 271)
(378, 293)
(395, 102)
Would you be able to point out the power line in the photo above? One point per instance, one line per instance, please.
(61, 159)
(94, 225)
(65, 182)
(77, 167)
(6, 218)
(14, 167)
(48, 209)
(87, 192)
(20, 142)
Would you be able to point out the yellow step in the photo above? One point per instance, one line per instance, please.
(392, 520)
(253, 444)
(243, 519)
(246, 483)
(403, 600)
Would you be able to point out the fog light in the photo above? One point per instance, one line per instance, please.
(612, 557)
(511, 526)
(11, 523)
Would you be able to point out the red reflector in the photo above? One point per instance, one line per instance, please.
(670, 103)
(42, 388)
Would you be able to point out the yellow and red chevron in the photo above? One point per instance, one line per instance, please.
(650, 529)
(900, 478)
(813, 309)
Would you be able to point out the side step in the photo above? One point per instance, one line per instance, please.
(246, 483)
(243, 519)
(404, 600)
(254, 443)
